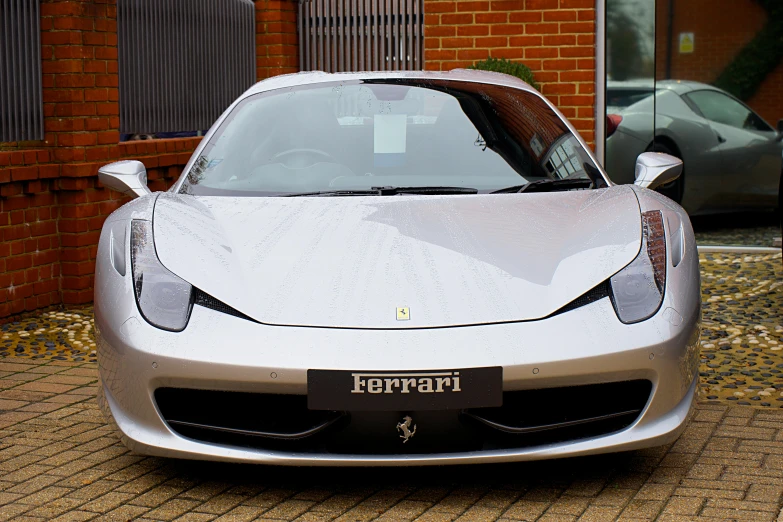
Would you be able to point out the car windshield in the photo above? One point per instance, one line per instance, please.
(362, 135)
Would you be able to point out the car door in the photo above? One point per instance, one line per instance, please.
(750, 151)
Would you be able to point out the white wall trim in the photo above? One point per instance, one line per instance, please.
(600, 80)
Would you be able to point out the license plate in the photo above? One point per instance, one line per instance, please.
(405, 390)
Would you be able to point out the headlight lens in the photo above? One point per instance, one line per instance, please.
(164, 299)
(638, 288)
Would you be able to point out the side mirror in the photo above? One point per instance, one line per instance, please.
(128, 177)
(654, 169)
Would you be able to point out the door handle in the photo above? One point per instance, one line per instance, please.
(721, 139)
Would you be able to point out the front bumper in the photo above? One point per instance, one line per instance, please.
(222, 352)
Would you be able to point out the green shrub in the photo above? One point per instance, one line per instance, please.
(505, 66)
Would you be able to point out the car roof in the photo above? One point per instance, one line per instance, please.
(315, 77)
(685, 86)
(677, 86)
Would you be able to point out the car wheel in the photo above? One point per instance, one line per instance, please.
(676, 188)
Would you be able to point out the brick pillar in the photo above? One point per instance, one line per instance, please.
(82, 124)
(277, 41)
(51, 204)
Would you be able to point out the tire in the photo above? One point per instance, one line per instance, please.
(676, 188)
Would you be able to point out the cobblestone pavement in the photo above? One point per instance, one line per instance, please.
(60, 461)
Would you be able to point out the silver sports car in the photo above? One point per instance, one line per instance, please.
(394, 269)
(732, 156)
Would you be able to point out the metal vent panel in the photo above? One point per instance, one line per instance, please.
(182, 62)
(21, 97)
(361, 35)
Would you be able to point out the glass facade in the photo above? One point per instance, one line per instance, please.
(700, 79)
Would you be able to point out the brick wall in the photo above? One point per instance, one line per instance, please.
(730, 25)
(555, 38)
(51, 204)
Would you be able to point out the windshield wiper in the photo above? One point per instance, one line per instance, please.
(333, 193)
(389, 191)
(546, 185)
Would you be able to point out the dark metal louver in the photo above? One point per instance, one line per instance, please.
(182, 62)
(361, 35)
(21, 97)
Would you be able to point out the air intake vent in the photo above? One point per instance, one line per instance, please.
(207, 301)
(591, 296)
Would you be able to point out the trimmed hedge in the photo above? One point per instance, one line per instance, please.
(505, 66)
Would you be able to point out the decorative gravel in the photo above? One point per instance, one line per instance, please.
(59, 335)
(742, 334)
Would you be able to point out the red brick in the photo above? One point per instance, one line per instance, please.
(467, 6)
(507, 5)
(524, 17)
(471, 30)
(491, 18)
(542, 28)
(441, 7)
(541, 52)
(451, 43)
(541, 4)
(507, 29)
(560, 16)
(453, 19)
(490, 42)
(577, 27)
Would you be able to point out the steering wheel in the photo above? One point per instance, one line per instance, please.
(313, 154)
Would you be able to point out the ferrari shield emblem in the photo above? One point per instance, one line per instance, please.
(403, 314)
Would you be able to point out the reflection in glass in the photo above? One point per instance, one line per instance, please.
(715, 101)
(719, 61)
(630, 84)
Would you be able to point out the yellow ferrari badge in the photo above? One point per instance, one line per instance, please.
(403, 314)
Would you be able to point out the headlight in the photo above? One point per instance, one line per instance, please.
(638, 288)
(164, 299)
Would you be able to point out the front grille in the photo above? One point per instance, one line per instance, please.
(527, 418)
(558, 414)
(232, 417)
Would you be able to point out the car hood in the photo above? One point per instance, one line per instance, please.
(352, 261)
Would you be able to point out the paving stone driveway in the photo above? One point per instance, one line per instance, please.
(60, 461)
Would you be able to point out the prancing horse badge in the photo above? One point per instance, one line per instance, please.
(405, 428)
(403, 313)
